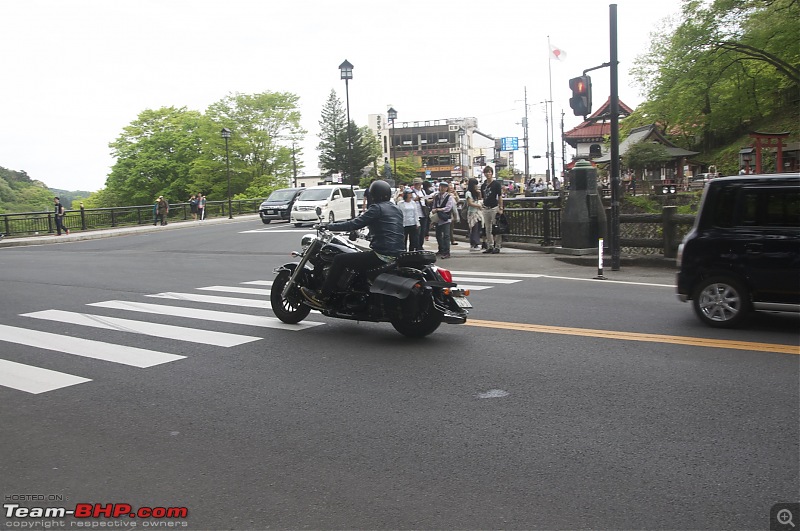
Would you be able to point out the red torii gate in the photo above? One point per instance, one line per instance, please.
(765, 140)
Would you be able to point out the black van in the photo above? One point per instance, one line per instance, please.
(743, 253)
(279, 204)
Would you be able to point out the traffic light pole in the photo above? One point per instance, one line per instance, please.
(615, 191)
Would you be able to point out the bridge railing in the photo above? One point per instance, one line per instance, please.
(41, 223)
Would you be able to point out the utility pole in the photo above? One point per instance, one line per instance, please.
(525, 128)
(615, 251)
(563, 147)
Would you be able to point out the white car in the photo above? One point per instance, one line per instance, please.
(335, 200)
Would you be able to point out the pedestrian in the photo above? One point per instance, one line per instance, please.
(59, 216)
(492, 193)
(430, 191)
(409, 209)
(443, 204)
(193, 206)
(201, 206)
(455, 218)
(162, 209)
(474, 216)
(419, 197)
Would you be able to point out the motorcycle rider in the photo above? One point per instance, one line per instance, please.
(385, 222)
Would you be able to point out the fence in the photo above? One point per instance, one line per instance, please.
(537, 220)
(35, 223)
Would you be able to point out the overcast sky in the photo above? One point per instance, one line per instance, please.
(75, 72)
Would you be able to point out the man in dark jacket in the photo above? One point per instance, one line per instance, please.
(385, 222)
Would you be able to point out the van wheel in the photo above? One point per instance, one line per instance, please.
(721, 302)
(265, 221)
(298, 224)
(331, 218)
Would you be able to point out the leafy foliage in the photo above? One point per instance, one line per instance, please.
(20, 193)
(644, 155)
(726, 64)
(345, 148)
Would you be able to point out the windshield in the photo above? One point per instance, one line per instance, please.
(360, 193)
(316, 194)
(281, 195)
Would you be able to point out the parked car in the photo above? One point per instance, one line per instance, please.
(334, 199)
(279, 204)
(743, 253)
(360, 199)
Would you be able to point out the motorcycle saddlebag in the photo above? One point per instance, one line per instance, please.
(392, 285)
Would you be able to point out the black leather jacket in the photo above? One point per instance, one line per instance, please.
(385, 222)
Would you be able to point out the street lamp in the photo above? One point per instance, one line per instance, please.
(346, 70)
(226, 134)
(392, 115)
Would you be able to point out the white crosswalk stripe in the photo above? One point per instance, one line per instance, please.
(259, 282)
(237, 289)
(87, 348)
(208, 315)
(213, 299)
(35, 380)
(181, 333)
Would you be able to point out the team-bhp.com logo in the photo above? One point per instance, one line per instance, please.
(94, 510)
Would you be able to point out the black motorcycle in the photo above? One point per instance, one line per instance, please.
(412, 293)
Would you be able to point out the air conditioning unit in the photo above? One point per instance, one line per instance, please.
(452, 128)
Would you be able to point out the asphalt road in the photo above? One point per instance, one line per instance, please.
(146, 370)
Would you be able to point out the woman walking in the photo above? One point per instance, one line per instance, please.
(474, 214)
(410, 211)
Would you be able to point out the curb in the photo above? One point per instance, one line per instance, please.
(120, 231)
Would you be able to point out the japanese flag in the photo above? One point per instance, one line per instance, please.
(557, 53)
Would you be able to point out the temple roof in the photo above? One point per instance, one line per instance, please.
(649, 133)
(597, 126)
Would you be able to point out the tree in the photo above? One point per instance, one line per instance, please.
(155, 155)
(263, 126)
(349, 154)
(727, 63)
(646, 155)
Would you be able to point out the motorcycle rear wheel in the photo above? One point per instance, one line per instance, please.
(290, 310)
(425, 322)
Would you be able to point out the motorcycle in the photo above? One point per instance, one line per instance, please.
(411, 293)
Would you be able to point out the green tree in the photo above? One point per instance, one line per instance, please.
(352, 154)
(263, 127)
(725, 64)
(646, 155)
(155, 155)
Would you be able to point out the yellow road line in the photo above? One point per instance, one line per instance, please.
(634, 336)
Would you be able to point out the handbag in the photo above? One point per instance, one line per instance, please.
(500, 225)
(434, 217)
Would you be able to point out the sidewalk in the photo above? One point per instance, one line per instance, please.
(75, 236)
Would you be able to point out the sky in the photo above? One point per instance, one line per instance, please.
(76, 72)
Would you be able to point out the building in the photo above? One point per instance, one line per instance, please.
(589, 137)
(443, 149)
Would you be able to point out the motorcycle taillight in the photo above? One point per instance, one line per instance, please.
(446, 274)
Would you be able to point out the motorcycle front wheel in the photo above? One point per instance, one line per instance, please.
(290, 310)
(423, 323)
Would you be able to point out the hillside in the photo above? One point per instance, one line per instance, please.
(20, 193)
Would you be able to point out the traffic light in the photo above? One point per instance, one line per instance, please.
(581, 100)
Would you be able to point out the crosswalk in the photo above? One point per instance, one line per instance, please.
(200, 307)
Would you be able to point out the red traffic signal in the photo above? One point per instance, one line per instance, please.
(581, 100)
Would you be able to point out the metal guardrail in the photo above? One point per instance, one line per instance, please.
(535, 220)
(86, 219)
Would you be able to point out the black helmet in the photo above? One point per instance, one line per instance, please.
(380, 191)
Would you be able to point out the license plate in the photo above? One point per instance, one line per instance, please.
(462, 302)
(270, 211)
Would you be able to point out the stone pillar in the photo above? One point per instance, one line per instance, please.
(583, 219)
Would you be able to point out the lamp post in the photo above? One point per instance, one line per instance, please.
(392, 115)
(346, 70)
(226, 134)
